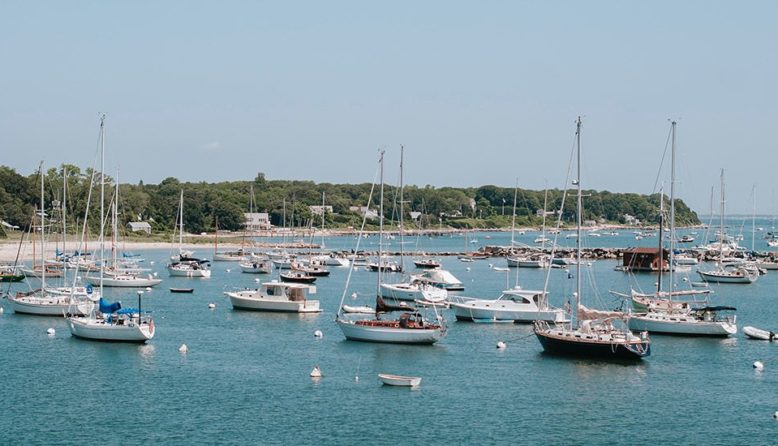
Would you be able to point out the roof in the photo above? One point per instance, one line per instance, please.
(139, 225)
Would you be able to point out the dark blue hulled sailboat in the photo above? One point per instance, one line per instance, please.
(591, 333)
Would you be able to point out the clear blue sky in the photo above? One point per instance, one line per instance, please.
(478, 92)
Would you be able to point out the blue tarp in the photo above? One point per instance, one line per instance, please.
(106, 307)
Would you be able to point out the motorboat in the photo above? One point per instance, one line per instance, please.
(757, 333)
(426, 263)
(514, 305)
(297, 276)
(276, 296)
(256, 266)
(413, 291)
(439, 278)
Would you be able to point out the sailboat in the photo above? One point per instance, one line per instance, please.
(535, 260)
(415, 289)
(184, 265)
(42, 302)
(116, 275)
(591, 333)
(728, 273)
(669, 316)
(106, 321)
(411, 327)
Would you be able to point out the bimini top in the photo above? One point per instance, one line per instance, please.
(717, 309)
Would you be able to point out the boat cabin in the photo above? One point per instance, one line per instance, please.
(295, 292)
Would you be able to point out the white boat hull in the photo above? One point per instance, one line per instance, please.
(412, 293)
(681, 326)
(250, 300)
(363, 333)
(503, 311)
(756, 333)
(124, 281)
(397, 380)
(100, 330)
(43, 306)
(178, 272)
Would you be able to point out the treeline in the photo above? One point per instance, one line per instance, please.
(287, 203)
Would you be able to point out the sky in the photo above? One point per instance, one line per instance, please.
(477, 92)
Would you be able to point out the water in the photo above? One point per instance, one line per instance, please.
(245, 379)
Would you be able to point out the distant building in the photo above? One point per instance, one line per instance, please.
(257, 221)
(645, 259)
(319, 210)
(631, 220)
(540, 213)
(139, 226)
(364, 211)
(415, 215)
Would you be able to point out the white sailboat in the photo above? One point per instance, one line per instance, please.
(184, 265)
(668, 316)
(591, 333)
(409, 328)
(110, 322)
(409, 290)
(728, 273)
(42, 302)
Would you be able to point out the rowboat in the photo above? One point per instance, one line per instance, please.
(182, 290)
(398, 380)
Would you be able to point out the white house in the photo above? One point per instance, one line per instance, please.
(364, 211)
(319, 210)
(139, 226)
(257, 221)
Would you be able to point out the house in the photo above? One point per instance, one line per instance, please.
(139, 226)
(320, 210)
(645, 259)
(364, 211)
(257, 221)
(631, 220)
(415, 215)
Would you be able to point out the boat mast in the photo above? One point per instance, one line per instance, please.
(661, 239)
(380, 227)
(543, 229)
(579, 204)
(753, 217)
(115, 225)
(180, 222)
(64, 210)
(43, 237)
(102, 200)
(402, 228)
(672, 211)
(322, 220)
(721, 222)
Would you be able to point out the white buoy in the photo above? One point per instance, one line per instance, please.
(228, 270)
(491, 265)
(183, 348)
(316, 372)
(211, 306)
(148, 289)
(1, 310)
(685, 279)
(356, 378)
(151, 263)
(155, 274)
(318, 334)
(467, 269)
(759, 366)
(501, 345)
(354, 295)
(256, 280)
(775, 415)
(51, 332)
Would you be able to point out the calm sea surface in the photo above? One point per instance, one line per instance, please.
(246, 377)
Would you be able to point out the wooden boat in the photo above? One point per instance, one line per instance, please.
(757, 333)
(398, 380)
(182, 290)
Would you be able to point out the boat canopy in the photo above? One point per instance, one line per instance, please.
(106, 307)
(719, 308)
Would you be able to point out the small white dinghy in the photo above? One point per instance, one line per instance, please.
(360, 310)
(397, 380)
(757, 333)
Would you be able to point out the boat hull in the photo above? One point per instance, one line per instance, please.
(583, 348)
(43, 306)
(203, 273)
(401, 381)
(97, 330)
(756, 333)
(666, 325)
(389, 335)
(118, 282)
(253, 303)
(480, 312)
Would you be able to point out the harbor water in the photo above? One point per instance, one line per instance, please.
(245, 378)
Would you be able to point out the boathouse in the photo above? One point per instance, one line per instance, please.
(645, 259)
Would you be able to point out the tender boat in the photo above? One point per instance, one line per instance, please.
(398, 380)
(276, 296)
(297, 276)
(756, 333)
(182, 290)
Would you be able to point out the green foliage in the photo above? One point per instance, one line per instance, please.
(287, 203)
